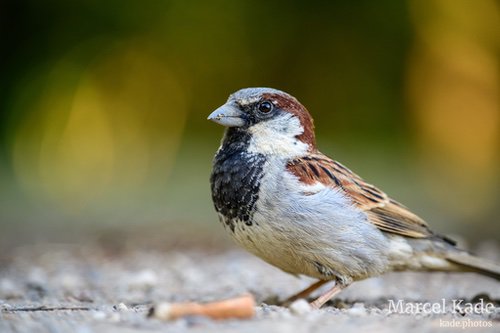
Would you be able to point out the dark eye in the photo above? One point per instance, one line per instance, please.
(265, 107)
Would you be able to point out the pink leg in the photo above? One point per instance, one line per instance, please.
(318, 303)
(306, 292)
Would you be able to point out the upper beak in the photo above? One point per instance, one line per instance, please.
(228, 115)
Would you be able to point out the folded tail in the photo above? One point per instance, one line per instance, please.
(470, 263)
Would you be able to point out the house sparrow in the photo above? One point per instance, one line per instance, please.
(283, 200)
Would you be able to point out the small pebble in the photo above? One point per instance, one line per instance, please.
(5, 306)
(120, 307)
(357, 310)
(300, 307)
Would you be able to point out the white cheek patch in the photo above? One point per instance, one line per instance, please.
(278, 137)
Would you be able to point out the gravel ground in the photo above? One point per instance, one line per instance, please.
(83, 289)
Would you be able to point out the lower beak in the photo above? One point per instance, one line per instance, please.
(228, 115)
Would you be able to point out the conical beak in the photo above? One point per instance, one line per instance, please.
(228, 115)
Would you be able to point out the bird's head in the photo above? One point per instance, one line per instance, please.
(275, 120)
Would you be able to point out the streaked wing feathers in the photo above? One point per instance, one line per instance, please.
(388, 215)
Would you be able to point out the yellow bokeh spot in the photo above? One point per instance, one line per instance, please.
(114, 132)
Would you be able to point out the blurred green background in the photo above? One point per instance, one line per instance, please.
(103, 108)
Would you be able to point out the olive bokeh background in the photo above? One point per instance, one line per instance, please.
(103, 107)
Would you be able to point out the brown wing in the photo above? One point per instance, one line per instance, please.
(388, 215)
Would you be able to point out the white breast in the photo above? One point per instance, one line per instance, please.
(299, 228)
